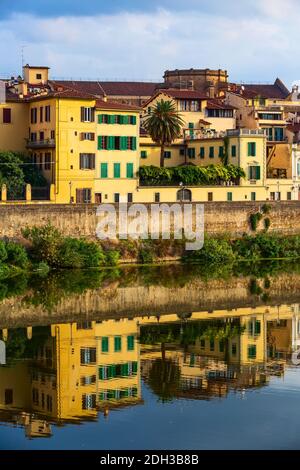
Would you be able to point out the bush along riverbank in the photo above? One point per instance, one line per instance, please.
(46, 248)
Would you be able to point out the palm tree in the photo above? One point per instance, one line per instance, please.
(164, 125)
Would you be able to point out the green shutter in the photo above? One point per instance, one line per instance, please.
(100, 146)
(100, 118)
(118, 343)
(123, 143)
(133, 143)
(104, 344)
(229, 196)
(103, 170)
(111, 143)
(257, 173)
(117, 170)
(254, 149)
(101, 373)
(202, 152)
(143, 153)
(133, 120)
(221, 151)
(130, 343)
(125, 119)
(129, 170)
(233, 151)
(121, 119)
(211, 152)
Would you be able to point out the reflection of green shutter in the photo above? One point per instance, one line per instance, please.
(134, 367)
(101, 373)
(118, 343)
(124, 370)
(130, 343)
(104, 344)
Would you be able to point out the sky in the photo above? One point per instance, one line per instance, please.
(255, 40)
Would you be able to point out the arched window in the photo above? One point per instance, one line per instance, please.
(184, 195)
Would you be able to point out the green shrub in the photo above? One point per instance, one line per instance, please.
(3, 252)
(214, 251)
(266, 208)
(255, 288)
(45, 242)
(112, 257)
(267, 223)
(145, 255)
(78, 253)
(5, 271)
(42, 269)
(254, 219)
(16, 255)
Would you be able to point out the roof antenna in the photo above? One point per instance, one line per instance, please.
(22, 56)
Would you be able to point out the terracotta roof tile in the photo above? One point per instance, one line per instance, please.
(277, 91)
(99, 88)
(113, 105)
(218, 104)
(183, 94)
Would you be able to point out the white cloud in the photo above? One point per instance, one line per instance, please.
(142, 46)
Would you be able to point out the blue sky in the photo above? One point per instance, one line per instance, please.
(255, 40)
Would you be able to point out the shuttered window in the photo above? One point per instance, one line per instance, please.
(202, 152)
(87, 161)
(229, 196)
(129, 170)
(167, 154)
(251, 149)
(254, 172)
(143, 153)
(221, 152)
(87, 356)
(192, 152)
(103, 170)
(87, 114)
(104, 344)
(84, 196)
(211, 152)
(117, 170)
(130, 343)
(252, 351)
(118, 343)
(233, 150)
(6, 115)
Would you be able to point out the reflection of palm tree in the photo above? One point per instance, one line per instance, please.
(164, 378)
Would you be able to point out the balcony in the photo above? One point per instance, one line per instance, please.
(239, 132)
(39, 144)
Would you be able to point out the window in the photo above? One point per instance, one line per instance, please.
(103, 170)
(47, 113)
(252, 351)
(211, 345)
(211, 152)
(143, 153)
(49, 403)
(116, 119)
(219, 113)
(202, 343)
(221, 346)
(6, 115)
(253, 196)
(184, 195)
(89, 401)
(233, 151)
(52, 134)
(42, 135)
(210, 197)
(87, 161)
(41, 114)
(35, 396)
(278, 134)
(221, 152)
(117, 170)
(87, 356)
(38, 76)
(129, 170)
(182, 151)
(130, 343)
(84, 196)
(88, 380)
(289, 196)
(118, 343)
(87, 136)
(202, 152)
(233, 349)
(8, 396)
(167, 154)
(104, 344)
(87, 114)
(192, 152)
(191, 127)
(116, 143)
(117, 198)
(47, 161)
(156, 197)
(129, 197)
(33, 115)
(229, 196)
(251, 149)
(254, 327)
(84, 325)
(254, 172)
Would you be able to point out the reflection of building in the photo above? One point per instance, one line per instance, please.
(67, 373)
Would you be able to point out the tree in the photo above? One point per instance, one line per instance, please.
(11, 173)
(164, 125)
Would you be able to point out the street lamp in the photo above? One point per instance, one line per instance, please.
(181, 191)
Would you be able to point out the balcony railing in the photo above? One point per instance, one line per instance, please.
(46, 143)
(238, 132)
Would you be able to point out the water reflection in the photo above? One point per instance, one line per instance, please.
(72, 372)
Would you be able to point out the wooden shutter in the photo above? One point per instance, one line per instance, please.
(123, 145)
(129, 170)
(92, 114)
(82, 113)
(117, 170)
(133, 120)
(81, 158)
(133, 143)
(258, 173)
(100, 118)
(79, 197)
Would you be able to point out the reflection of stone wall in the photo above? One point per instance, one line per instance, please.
(81, 220)
(126, 302)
